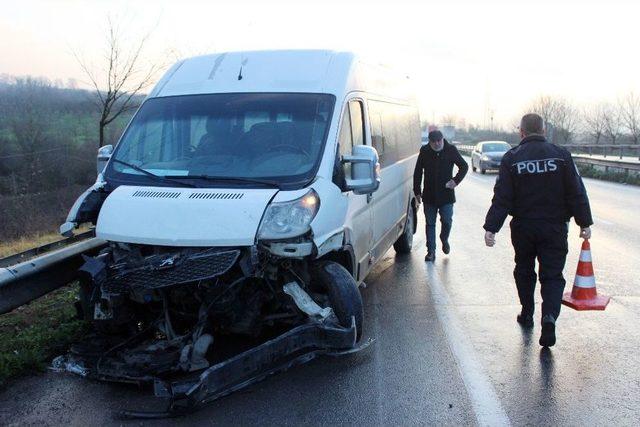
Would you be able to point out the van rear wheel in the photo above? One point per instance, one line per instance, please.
(336, 282)
(404, 244)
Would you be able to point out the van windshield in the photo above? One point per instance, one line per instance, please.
(247, 137)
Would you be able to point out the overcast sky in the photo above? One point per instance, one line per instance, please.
(466, 56)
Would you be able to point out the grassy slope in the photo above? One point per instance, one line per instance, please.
(31, 335)
(15, 246)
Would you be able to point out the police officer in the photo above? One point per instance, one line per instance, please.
(539, 186)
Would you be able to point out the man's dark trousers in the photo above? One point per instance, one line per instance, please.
(446, 220)
(546, 241)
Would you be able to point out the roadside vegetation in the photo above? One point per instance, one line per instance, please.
(31, 335)
(48, 142)
(589, 171)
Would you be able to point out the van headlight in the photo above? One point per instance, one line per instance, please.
(289, 219)
(485, 158)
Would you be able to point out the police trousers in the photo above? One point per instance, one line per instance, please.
(546, 242)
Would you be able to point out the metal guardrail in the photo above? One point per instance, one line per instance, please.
(25, 281)
(622, 150)
(465, 148)
(608, 164)
(31, 253)
(585, 159)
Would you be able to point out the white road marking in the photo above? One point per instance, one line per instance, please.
(486, 404)
(378, 361)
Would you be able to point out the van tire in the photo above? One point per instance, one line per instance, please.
(404, 244)
(342, 290)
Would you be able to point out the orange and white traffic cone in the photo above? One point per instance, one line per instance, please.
(584, 295)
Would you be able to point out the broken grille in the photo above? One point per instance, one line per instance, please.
(167, 271)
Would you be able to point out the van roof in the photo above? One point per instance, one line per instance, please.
(301, 71)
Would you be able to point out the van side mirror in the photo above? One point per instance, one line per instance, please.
(104, 154)
(365, 170)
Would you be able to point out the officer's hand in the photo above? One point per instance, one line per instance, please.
(451, 184)
(585, 233)
(418, 199)
(489, 238)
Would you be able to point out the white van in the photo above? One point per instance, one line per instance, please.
(250, 195)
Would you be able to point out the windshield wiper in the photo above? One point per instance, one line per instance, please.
(152, 175)
(269, 183)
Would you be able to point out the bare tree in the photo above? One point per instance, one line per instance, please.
(630, 115)
(612, 122)
(594, 118)
(123, 78)
(566, 120)
(545, 106)
(560, 114)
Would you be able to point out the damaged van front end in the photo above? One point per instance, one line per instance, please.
(198, 322)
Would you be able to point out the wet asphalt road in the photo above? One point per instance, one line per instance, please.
(448, 350)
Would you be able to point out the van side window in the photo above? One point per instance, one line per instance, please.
(395, 131)
(345, 147)
(377, 138)
(351, 134)
(345, 141)
(357, 124)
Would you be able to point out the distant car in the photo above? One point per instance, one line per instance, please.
(487, 155)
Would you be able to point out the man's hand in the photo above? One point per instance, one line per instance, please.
(585, 233)
(489, 238)
(451, 184)
(418, 199)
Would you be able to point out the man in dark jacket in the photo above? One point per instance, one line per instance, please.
(540, 187)
(435, 163)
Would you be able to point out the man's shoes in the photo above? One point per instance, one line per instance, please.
(446, 248)
(548, 336)
(525, 320)
(430, 257)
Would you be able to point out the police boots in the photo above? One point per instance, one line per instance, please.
(548, 336)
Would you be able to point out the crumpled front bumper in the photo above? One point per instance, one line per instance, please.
(294, 347)
(297, 346)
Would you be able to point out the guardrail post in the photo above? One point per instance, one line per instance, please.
(590, 151)
(604, 151)
(621, 150)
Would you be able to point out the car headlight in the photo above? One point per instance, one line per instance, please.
(289, 219)
(485, 158)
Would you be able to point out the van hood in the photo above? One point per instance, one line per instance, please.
(183, 217)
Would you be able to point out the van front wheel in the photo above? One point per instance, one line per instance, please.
(405, 242)
(333, 280)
